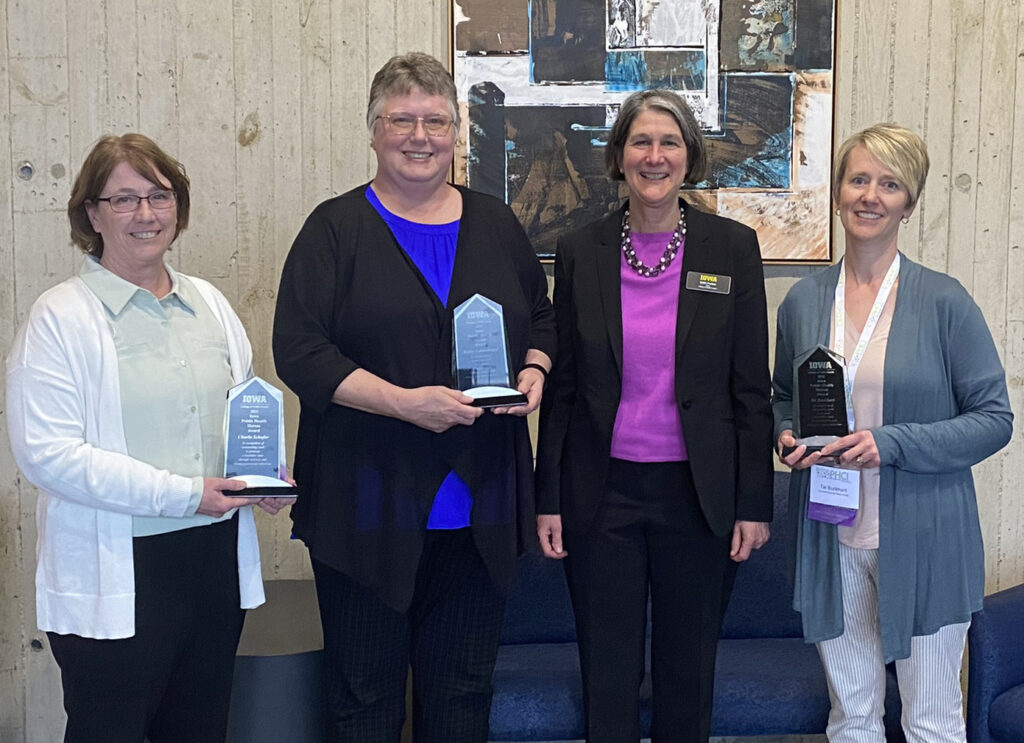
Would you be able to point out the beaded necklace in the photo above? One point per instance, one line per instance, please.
(667, 257)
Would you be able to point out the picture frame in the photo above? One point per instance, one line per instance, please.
(539, 84)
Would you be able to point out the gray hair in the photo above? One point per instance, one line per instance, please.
(404, 73)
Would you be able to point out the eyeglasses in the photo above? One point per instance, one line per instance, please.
(435, 125)
(129, 202)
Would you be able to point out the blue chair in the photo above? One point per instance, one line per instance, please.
(995, 682)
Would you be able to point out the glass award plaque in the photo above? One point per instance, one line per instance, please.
(254, 440)
(819, 398)
(480, 360)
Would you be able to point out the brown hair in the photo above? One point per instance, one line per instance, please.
(146, 158)
(667, 102)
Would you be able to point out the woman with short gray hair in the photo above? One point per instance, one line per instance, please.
(412, 498)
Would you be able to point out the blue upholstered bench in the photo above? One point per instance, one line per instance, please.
(995, 683)
(768, 681)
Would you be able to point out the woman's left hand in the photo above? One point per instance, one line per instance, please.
(857, 449)
(531, 383)
(274, 506)
(748, 536)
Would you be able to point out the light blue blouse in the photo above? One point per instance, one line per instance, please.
(174, 372)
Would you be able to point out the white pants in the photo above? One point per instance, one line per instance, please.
(929, 679)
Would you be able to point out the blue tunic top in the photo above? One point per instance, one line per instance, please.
(431, 247)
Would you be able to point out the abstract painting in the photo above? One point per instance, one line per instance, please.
(540, 82)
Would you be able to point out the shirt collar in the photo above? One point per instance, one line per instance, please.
(116, 292)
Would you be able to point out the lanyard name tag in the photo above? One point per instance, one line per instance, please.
(835, 495)
(853, 363)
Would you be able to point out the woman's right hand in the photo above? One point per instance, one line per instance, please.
(437, 408)
(549, 530)
(796, 459)
(215, 503)
(434, 408)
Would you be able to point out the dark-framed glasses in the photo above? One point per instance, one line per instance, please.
(436, 125)
(129, 202)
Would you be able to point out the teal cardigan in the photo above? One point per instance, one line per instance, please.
(945, 408)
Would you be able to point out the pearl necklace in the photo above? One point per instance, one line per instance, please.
(667, 257)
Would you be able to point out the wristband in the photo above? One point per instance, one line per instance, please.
(538, 367)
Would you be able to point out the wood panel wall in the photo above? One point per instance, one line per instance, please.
(264, 103)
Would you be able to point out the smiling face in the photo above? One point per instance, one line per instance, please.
(415, 158)
(871, 201)
(132, 241)
(654, 160)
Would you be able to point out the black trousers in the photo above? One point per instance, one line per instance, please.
(449, 636)
(648, 534)
(171, 681)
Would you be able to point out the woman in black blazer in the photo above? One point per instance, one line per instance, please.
(654, 461)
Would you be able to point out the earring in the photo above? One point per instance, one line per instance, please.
(905, 220)
(837, 212)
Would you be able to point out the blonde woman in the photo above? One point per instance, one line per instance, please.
(928, 401)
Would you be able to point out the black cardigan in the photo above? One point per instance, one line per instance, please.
(351, 298)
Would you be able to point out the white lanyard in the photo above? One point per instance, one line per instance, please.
(869, 327)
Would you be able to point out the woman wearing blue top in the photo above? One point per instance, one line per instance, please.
(900, 579)
(412, 501)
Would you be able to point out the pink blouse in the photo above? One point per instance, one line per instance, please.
(647, 426)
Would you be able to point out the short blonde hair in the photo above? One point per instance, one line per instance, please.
(897, 148)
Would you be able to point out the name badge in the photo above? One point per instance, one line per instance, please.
(835, 495)
(708, 282)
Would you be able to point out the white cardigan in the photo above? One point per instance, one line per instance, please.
(65, 424)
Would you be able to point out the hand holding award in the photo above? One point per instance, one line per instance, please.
(480, 354)
(254, 440)
(819, 399)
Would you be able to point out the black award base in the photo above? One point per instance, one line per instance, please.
(261, 486)
(495, 397)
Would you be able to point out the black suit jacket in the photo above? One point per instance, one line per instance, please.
(722, 382)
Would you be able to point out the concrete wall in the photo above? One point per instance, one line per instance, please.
(263, 101)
